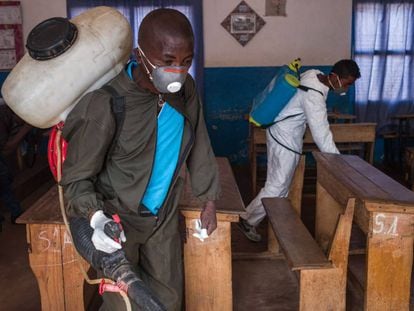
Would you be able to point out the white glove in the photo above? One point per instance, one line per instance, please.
(107, 235)
(201, 234)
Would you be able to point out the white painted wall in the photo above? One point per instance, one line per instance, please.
(318, 31)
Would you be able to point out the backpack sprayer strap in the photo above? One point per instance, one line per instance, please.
(118, 109)
(283, 145)
(303, 88)
(307, 88)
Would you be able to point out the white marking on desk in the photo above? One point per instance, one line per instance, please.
(386, 225)
(50, 242)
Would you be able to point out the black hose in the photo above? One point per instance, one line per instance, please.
(114, 266)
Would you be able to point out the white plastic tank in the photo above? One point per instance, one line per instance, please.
(42, 92)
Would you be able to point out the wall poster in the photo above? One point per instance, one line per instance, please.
(11, 34)
(275, 8)
(243, 23)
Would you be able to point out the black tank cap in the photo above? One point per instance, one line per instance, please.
(51, 38)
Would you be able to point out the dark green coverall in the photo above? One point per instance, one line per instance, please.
(117, 184)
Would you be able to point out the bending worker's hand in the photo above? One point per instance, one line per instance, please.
(108, 234)
(208, 217)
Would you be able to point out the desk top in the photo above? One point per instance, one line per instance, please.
(46, 209)
(350, 176)
(339, 115)
(403, 116)
(230, 201)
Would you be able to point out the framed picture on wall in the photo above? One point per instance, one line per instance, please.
(243, 23)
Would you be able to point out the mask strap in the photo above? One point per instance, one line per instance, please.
(339, 80)
(146, 58)
(330, 83)
(145, 66)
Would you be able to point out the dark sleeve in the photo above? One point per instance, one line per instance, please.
(88, 130)
(201, 162)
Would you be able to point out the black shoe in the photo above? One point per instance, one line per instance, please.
(249, 231)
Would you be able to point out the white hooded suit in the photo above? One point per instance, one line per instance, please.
(287, 133)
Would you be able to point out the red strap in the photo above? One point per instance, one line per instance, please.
(52, 152)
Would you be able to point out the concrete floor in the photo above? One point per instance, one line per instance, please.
(257, 284)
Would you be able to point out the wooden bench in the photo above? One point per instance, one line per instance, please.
(349, 137)
(295, 198)
(208, 269)
(322, 279)
(384, 212)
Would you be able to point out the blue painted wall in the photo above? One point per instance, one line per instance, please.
(3, 76)
(228, 93)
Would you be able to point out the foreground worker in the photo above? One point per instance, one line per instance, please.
(284, 139)
(163, 128)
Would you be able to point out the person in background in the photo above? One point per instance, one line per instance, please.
(163, 129)
(284, 139)
(12, 131)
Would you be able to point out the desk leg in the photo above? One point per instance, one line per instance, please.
(74, 282)
(207, 266)
(389, 263)
(45, 259)
(327, 213)
(54, 262)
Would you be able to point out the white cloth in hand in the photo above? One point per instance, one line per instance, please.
(200, 233)
(100, 239)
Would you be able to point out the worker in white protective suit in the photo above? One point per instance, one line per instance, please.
(285, 137)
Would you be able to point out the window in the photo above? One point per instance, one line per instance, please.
(383, 48)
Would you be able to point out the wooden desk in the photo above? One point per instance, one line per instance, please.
(207, 265)
(404, 131)
(52, 256)
(335, 117)
(208, 271)
(347, 136)
(384, 211)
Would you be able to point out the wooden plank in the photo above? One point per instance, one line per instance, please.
(327, 213)
(220, 216)
(338, 253)
(300, 248)
(230, 201)
(45, 210)
(393, 188)
(361, 179)
(296, 187)
(320, 290)
(208, 280)
(339, 250)
(73, 277)
(389, 263)
(354, 180)
(45, 257)
(348, 133)
(342, 133)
